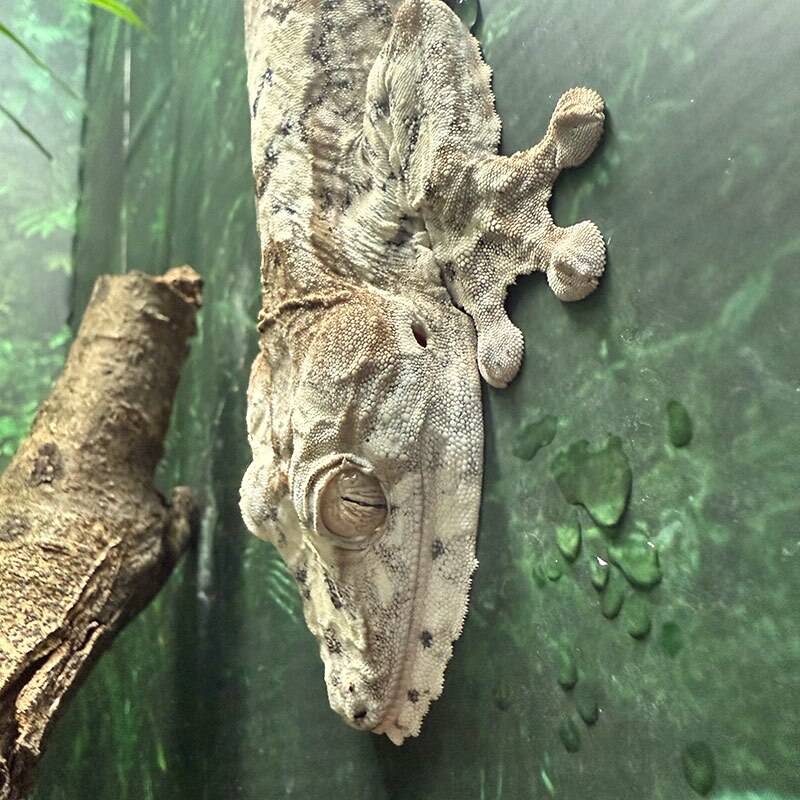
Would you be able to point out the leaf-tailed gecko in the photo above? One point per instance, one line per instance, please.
(390, 230)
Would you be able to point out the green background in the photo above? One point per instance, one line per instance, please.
(216, 690)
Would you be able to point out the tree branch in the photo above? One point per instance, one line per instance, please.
(86, 540)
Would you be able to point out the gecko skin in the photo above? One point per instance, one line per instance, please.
(390, 231)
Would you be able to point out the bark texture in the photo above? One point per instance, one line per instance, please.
(86, 539)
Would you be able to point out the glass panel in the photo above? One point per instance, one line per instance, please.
(646, 659)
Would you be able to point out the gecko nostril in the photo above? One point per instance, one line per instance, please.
(360, 714)
(420, 333)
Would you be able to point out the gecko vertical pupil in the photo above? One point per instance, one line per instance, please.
(352, 505)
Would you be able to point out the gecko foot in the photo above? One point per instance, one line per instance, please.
(576, 126)
(500, 349)
(577, 261)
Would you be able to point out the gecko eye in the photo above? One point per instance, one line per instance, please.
(352, 506)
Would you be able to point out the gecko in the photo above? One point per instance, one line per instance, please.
(390, 230)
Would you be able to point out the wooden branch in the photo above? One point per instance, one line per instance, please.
(86, 540)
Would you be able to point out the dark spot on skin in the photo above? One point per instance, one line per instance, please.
(301, 575)
(319, 55)
(333, 644)
(285, 129)
(437, 548)
(271, 158)
(278, 207)
(326, 200)
(336, 598)
(360, 714)
(381, 106)
(426, 637)
(266, 80)
(413, 695)
(280, 11)
(377, 9)
(261, 175)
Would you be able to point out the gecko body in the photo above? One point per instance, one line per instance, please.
(390, 231)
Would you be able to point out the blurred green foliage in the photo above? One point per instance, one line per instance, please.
(43, 68)
(41, 98)
(121, 10)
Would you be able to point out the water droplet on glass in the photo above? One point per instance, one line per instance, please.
(637, 557)
(534, 436)
(567, 671)
(568, 539)
(613, 595)
(599, 480)
(598, 572)
(671, 638)
(553, 569)
(637, 618)
(570, 736)
(679, 424)
(698, 767)
(539, 577)
(587, 705)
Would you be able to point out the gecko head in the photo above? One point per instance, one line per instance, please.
(366, 476)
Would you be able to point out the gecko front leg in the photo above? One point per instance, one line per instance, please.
(486, 215)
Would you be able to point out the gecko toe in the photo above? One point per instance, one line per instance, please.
(500, 349)
(577, 261)
(576, 126)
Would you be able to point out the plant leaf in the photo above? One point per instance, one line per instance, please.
(26, 132)
(36, 60)
(120, 10)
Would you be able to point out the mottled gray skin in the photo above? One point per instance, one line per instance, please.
(390, 230)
